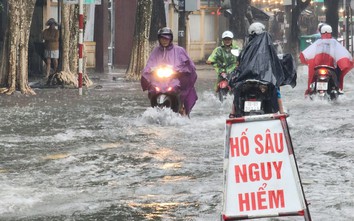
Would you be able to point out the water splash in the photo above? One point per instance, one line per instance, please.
(163, 117)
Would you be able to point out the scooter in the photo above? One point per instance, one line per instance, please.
(325, 85)
(164, 90)
(223, 87)
(255, 97)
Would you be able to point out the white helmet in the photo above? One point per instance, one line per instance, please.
(326, 29)
(319, 26)
(256, 28)
(227, 34)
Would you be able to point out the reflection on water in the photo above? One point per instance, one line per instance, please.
(55, 156)
(158, 211)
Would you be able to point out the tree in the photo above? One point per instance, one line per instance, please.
(241, 17)
(145, 34)
(332, 15)
(293, 44)
(14, 70)
(15, 49)
(331, 19)
(69, 62)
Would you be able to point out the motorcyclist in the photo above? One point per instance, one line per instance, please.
(166, 53)
(326, 51)
(254, 64)
(221, 58)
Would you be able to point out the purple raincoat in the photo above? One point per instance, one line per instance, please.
(177, 57)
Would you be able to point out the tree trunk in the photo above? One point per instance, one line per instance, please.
(17, 35)
(240, 19)
(65, 36)
(332, 15)
(69, 35)
(157, 22)
(293, 44)
(145, 34)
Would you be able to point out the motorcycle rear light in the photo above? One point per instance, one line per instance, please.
(169, 89)
(323, 71)
(223, 84)
(157, 88)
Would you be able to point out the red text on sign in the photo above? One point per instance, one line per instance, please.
(240, 146)
(269, 143)
(255, 172)
(261, 200)
(264, 144)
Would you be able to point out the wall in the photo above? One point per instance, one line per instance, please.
(202, 31)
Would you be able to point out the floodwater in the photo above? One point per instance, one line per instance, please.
(106, 155)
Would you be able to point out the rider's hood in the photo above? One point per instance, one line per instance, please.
(327, 52)
(259, 60)
(176, 57)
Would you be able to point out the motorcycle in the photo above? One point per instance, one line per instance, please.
(223, 88)
(325, 83)
(255, 97)
(164, 90)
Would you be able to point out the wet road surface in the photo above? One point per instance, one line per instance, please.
(106, 155)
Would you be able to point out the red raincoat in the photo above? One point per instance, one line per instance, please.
(327, 51)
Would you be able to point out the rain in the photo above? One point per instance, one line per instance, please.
(107, 155)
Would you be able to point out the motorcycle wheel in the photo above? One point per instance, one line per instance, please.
(222, 94)
(171, 102)
(333, 91)
(333, 95)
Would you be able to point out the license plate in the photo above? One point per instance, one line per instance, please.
(322, 85)
(252, 106)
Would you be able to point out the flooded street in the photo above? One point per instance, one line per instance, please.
(107, 155)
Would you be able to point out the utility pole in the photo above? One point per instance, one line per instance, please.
(182, 23)
(346, 22)
(351, 26)
(81, 44)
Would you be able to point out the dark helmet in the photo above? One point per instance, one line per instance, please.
(165, 32)
(51, 21)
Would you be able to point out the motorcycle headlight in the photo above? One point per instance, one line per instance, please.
(164, 72)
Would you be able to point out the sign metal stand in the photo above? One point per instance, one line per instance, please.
(261, 177)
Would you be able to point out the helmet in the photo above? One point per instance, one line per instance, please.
(319, 26)
(51, 21)
(227, 34)
(326, 29)
(256, 28)
(165, 32)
